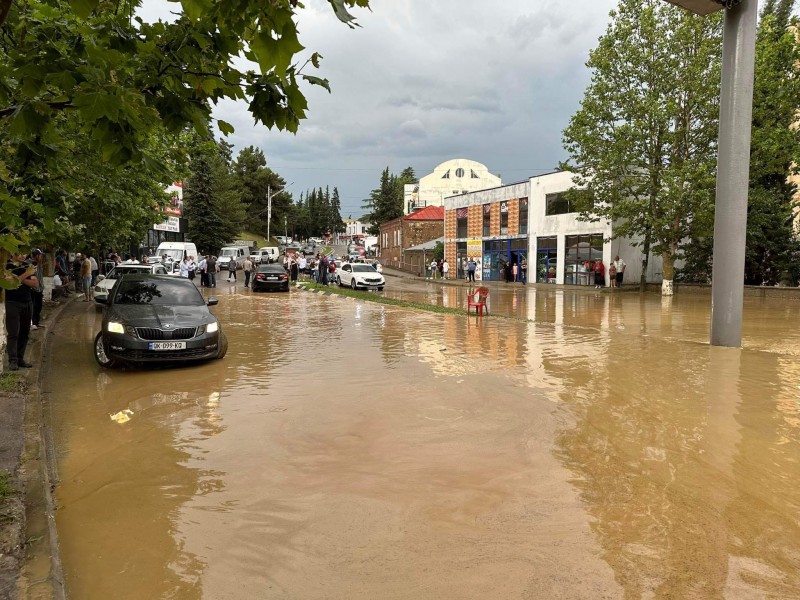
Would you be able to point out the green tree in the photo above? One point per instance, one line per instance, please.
(772, 248)
(118, 80)
(384, 203)
(643, 144)
(212, 202)
(255, 182)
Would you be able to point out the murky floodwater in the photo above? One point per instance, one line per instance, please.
(350, 450)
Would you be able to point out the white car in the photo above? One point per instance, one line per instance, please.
(104, 283)
(359, 275)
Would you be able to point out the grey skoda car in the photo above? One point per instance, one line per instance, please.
(157, 319)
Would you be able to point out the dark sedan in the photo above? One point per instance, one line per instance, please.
(157, 319)
(271, 277)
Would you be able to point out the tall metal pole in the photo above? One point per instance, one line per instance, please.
(269, 210)
(733, 173)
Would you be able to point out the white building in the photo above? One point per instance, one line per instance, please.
(532, 221)
(452, 177)
(353, 227)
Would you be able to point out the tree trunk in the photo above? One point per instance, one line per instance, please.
(669, 273)
(645, 262)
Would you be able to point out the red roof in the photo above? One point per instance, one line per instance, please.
(429, 213)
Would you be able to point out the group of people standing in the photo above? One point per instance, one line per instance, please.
(616, 273)
(439, 269)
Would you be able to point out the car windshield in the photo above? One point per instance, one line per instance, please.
(160, 292)
(173, 254)
(228, 252)
(363, 269)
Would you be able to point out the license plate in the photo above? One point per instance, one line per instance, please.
(166, 346)
(273, 278)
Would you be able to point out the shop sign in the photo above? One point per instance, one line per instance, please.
(172, 224)
(475, 252)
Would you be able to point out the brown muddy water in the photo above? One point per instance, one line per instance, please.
(348, 450)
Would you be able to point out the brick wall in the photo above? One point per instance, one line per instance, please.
(391, 252)
(419, 232)
(494, 228)
(513, 216)
(475, 221)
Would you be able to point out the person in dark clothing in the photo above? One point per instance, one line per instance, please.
(18, 311)
(507, 271)
(323, 271)
(211, 270)
(76, 272)
(37, 293)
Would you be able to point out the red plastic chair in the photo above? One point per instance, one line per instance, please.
(478, 300)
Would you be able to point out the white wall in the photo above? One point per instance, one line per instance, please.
(560, 226)
(434, 188)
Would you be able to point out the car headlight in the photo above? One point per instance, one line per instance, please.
(114, 327)
(212, 327)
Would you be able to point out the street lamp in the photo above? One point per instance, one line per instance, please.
(733, 163)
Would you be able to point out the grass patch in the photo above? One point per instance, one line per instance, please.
(380, 299)
(260, 240)
(12, 382)
(6, 486)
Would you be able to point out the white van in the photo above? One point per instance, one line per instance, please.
(265, 255)
(229, 253)
(176, 251)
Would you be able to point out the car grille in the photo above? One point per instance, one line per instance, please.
(166, 355)
(371, 280)
(182, 333)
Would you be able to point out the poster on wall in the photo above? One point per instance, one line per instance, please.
(475, 252)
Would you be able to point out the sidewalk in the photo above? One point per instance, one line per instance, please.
(29, 560)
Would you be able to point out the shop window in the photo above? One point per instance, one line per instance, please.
(546, 259)
(461, 222)
(557, 204)
(523, 216)
(504, 218)
(487, 220)
(581, 252)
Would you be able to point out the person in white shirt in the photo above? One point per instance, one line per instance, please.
(619, 264)
(445, 269)
(203, 274)
(184, 267)
(303, 265)
(434, 268)
(247, 267)
(95, 269)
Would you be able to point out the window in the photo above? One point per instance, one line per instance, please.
(523, 215)
(557, 204)
(446, 175)
(581, 253)
(473, 174)
(487, 220)
(461, 223)
(504, 218)
(459, 172)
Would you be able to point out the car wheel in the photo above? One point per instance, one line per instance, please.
(223, 345)
(100, 353)
(353, 283)
(380, 289)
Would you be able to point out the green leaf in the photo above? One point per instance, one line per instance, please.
(225, 127)
(318, 81)
(83, 8)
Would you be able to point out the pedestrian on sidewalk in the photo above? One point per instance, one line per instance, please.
(37, 293)
(515, 272)
(183, 268)
(211, 270)
(612, 274)
(620, 265)
(86, 277)
(76, 273)
(18, 306)
(445, 269)
(599, 274)
(523, 269)
(192, 268)
(471, 266)
(232, 264)
(95, 269)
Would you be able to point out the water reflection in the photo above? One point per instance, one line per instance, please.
(344, 449)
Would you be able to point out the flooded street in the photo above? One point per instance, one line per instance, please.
(593, 446)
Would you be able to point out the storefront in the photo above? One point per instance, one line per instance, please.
(581, 254)
(546, 259)
(501, 254)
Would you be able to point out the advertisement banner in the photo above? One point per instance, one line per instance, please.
(475, 252)
(171, 224)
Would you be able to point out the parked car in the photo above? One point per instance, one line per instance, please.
(264, 255)
(309, 250)
(156, 319)
(358, 275)
(105, 282)
(271, 277)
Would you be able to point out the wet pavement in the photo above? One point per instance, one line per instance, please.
(592, 447)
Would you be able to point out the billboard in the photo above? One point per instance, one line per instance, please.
(475, 252)
(171, 224)
(175, 206)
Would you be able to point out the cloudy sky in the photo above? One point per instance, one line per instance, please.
(424, 81)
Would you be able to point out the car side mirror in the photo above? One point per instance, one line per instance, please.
(213, 301)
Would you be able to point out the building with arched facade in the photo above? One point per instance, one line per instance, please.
(452, 177)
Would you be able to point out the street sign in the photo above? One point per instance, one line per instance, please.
(704, 7)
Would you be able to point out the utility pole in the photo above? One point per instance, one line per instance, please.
(269, 209)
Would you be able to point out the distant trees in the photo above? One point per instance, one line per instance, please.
(317, 213)
(386, 201)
